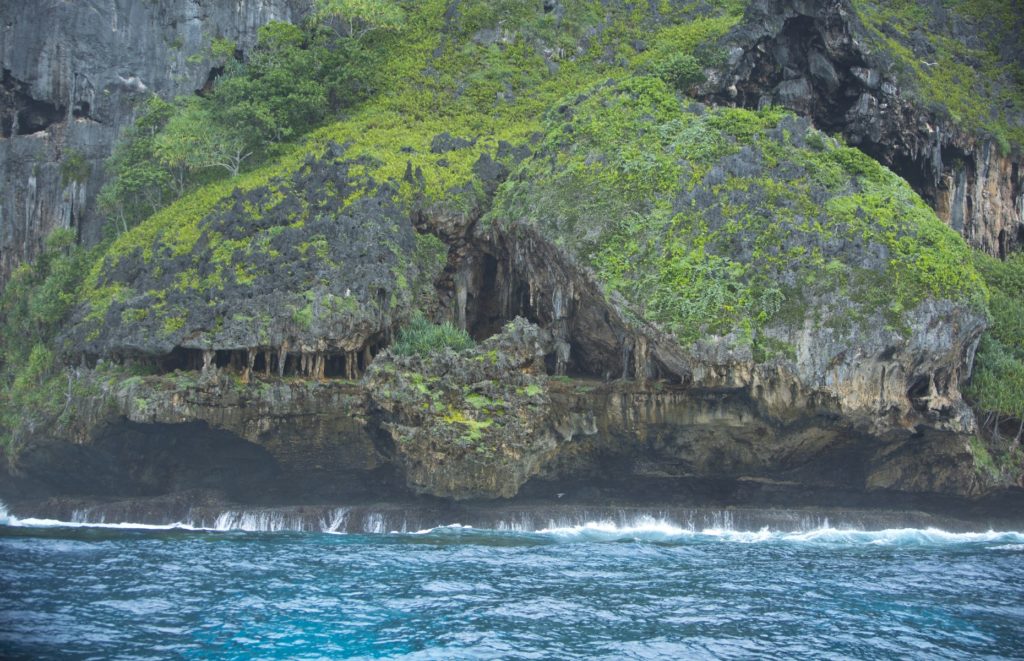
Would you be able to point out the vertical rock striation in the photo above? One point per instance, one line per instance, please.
(71, 75)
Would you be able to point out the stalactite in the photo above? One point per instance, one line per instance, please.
(461, 294)
(208, 356)
(267, 353)
(505, 287)
(367, 357)
(250, 361)
(282, 359)
(562, 352)
(640, 359)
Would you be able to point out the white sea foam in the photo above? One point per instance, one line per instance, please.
(32, 522)
(642, 527)
(440, 529)
(651, 529)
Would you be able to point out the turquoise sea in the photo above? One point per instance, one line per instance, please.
(649, 588)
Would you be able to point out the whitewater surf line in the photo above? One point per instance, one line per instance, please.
(640, 527)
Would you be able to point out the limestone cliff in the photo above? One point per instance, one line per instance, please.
(73, 74)
(667, 294)
(868, 81)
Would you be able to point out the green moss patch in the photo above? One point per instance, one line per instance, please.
(714, 221)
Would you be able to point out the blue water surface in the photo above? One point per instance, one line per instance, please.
(591, 592)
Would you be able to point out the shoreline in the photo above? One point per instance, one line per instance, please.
(200, 512)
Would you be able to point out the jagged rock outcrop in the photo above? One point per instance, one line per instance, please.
(273, 436)
(73, 74)
(714, 296)
(474, 424)
(281, 279)
(819, 60)
(778, 293)
(629, 432)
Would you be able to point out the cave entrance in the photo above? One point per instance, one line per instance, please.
(489, 307)
(919, 393)
(81, 110)
(586, 342)
(182, 359)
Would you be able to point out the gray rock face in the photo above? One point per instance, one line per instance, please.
(72, 74)
(282, 276)
(813, 58)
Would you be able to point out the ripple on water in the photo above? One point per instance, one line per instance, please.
(600, 591)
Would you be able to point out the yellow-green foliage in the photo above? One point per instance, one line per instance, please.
(979, 87)
(642, 190)
(33, 306)
(438, 79)
(997, 385)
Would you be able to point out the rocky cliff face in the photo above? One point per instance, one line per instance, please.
(479, 424)
(667, 296)
(281, 279)
(738, 303)
(821, 61)
(72, 75)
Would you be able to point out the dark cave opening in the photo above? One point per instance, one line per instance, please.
(211, 79)
(335, 367)
(81, 110)
(586, 338)
(20, 114)
(487, 309)
(918, 393)
(181, 359)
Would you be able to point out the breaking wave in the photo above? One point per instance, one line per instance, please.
(641, 527)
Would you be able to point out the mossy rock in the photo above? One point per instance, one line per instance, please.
(324, 258)
(729, 222)
(468, 424)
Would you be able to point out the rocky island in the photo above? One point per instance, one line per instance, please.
(465, 254)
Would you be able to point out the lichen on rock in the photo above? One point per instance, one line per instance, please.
(319, 263)
(469, 424)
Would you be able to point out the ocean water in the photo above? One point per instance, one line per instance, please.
(648, 588)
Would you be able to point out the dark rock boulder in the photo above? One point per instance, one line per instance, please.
(735, 262)
(474, 424)
(307, 274)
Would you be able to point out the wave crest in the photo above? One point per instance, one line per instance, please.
(643, 527)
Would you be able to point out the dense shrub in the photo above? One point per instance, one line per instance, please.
(34, 305)
(421, 338)
(997, 384)
(680, 70)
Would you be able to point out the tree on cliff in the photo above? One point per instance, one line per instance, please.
(355, 19)
(193, 140)
(139, 184)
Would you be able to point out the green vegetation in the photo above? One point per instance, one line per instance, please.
(292, 81)
(997, 385)
(357, 18)
(34, 306)
(708, 222)
(74, 168)
(421, 338)
(972, 81)
(490, 93)
(726, 220)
